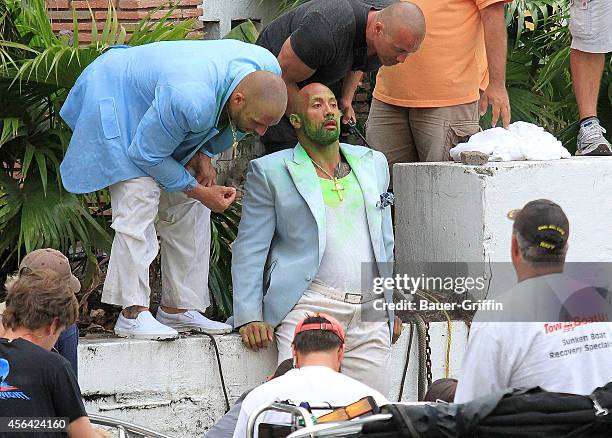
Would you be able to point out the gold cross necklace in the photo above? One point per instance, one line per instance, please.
(234, 137)
(337, 186)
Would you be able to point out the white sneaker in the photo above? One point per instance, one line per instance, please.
(192, 320)
(591, 140)
(144, 326)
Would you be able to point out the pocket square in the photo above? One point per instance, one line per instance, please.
(386, 199)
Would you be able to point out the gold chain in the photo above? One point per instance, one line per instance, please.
(337, 186)
(234, 137)
(325, 171)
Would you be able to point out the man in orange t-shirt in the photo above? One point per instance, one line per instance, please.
(426, 105)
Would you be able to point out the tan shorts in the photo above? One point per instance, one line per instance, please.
(591, 25)
(419, 134)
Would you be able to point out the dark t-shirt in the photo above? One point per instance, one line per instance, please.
(327, 36)
(35, 382)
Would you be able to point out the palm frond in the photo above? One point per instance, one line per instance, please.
(162, 29)
(529, 15)
(224, 228)
(8, 30)
(45, 218)
(21, 98)
(11, 129)
(245, 32)
(57, 65)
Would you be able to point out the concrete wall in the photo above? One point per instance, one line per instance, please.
(218, 15)
(449, 212)
(174, 387)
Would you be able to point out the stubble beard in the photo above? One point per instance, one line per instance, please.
(321, 136)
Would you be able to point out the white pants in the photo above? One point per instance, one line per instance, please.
(367, 345)
(140, 207)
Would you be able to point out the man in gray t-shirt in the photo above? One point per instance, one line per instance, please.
(558, 340)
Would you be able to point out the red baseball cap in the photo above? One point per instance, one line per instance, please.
(332, 325)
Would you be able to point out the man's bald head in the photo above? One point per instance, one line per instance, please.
(264, 86)
(404, 16)
(259, 101)
(306, 94)
(398, 30)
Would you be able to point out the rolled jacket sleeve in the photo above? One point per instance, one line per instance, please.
(163, 128)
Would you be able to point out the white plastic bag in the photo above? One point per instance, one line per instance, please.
(521, 141)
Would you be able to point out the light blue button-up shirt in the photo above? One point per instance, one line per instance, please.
(146, 110)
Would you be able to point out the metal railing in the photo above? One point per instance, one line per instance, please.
(309, 429)
(295, 411)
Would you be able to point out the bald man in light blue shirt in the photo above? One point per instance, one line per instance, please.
(146, 120)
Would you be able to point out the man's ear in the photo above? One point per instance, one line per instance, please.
(295, 358)
(514, 248)
(379, 27)
(55, 327)
(237, 98)
(295, 120)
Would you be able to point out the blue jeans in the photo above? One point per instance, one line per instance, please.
(67, 346)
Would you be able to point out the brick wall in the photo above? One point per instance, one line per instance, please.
(129, 13)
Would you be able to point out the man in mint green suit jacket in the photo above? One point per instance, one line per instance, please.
(145, 122)
(313, 225)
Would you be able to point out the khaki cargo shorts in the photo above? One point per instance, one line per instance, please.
(591, 25)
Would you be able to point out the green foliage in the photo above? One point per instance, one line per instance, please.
(224, 228)
(245, 32)
(37, 70)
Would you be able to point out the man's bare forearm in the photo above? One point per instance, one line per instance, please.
(350, 84)
(496, 41)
